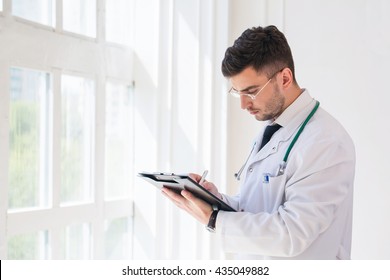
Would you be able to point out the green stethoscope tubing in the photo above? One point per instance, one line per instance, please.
(300, 130)
(282, 166)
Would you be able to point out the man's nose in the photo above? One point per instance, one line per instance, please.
(245, 102)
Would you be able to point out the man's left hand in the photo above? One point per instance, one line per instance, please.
(196, 207)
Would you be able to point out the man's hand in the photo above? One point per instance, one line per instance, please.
(196, 207)
(207, 185)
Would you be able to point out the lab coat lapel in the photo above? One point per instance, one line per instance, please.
(282, 135)
(273, 145)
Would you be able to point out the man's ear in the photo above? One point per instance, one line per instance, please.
(287, 78)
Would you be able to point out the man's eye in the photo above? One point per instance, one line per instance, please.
(251, 92)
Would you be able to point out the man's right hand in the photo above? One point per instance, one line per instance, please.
(207, 185)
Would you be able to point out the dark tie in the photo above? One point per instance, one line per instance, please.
(268, 132)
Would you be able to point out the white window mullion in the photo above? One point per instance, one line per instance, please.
(55, 239)
(100, 21)
(56, 136)
(99, 151)
(4, 155)
(7, 7)
(89, 140)
(45, 149)
(55, 243)
(99, 132)
(59, 17)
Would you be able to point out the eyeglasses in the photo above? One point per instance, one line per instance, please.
(254, 94)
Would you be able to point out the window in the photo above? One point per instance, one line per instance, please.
(117, 239)
(65, 180)
(75, 110)
(76, 242)
(119, 141)
(41, 11)
(80, 17)
(29, 148)
(29, 246)
(119, 21)
(1, 5)
(77, 134)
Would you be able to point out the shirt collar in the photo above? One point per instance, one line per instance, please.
(304, 100)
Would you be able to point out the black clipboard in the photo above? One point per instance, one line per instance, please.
(184, 182)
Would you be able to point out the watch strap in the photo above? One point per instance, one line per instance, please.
(212, 221)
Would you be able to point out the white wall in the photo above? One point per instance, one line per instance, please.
(341, 51)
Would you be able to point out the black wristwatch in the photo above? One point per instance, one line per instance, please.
(213, 218)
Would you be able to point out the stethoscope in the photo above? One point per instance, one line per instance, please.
(282, 165)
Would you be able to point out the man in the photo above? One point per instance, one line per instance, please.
(299, 209)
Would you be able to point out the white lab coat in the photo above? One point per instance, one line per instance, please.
(305, 213)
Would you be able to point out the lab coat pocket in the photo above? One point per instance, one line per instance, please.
(274, 192)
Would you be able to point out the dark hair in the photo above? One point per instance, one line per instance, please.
(265, 49)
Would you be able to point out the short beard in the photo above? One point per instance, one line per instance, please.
(274, 107)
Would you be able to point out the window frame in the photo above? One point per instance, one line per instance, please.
(156, 63)
(55, 217)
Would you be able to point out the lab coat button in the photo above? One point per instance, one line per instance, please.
(250, 169)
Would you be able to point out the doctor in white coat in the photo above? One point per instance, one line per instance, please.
(296, 192)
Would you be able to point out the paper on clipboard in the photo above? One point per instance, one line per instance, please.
(180, 182)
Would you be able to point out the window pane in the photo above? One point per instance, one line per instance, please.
(119, 21)
(30, 93)
(41, 11)
(30, 246)
(119, 141)
(80, 16)
(76, 242)
(117, 239)
(77, 139)
(1, 5)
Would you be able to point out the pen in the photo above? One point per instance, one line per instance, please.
(203, 177)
